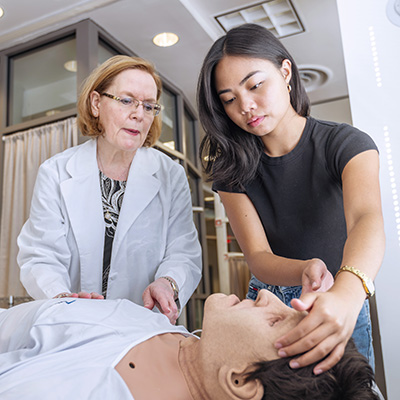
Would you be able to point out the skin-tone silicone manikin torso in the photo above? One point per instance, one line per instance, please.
(233, 333)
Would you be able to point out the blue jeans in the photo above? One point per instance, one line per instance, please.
(362, 334)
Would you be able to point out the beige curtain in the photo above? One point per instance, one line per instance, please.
(23, 154)
(239, 276)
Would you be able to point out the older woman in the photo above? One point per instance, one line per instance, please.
(113, 217)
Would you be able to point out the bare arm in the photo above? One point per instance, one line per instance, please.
(266, 266)
(333, 315)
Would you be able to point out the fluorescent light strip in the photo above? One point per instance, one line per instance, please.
(392, 175)
(375, 58)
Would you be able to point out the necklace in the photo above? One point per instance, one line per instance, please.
(123, 176)
(107, 216)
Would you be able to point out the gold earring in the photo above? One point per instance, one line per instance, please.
(289, 88)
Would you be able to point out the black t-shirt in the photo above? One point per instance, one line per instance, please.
(299, 196)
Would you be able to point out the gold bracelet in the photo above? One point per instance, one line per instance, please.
(175, 289)
(367, 283)
(60, 296)
(173, 285)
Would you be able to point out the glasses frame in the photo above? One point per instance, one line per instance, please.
(136, 103)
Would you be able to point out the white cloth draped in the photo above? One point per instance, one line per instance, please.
(23, 154)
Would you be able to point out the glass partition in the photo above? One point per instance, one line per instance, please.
(190, 137)
(105, 52)
(43, 81)
(168, 113)
(193, 184)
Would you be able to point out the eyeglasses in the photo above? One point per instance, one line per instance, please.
(149, 108)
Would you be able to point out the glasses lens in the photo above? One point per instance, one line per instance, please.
(148, 107)
(128, 102)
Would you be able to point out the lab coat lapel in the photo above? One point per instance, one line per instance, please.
(82, 198)
(141, 188)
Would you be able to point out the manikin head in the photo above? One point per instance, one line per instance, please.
(239, 360)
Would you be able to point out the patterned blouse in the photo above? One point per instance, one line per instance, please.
(112, 194)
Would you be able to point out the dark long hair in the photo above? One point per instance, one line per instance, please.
(350, 379)
(229, 154)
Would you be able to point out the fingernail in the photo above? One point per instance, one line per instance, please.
(278, 345)
(318, 371)
(294, 364)
(282, 353)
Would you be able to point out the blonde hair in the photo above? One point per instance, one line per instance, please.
(100, 80)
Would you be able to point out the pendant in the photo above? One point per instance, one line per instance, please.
(107, 216)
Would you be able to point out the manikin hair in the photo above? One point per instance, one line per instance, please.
(351, 378)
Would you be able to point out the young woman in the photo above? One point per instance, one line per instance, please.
(302, 195)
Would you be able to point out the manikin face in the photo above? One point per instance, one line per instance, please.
(247, 330)
(254, 93)
(125, 128)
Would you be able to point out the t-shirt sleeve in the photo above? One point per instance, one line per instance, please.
(345, 143)
(220, 186)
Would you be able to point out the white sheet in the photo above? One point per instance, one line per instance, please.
(67, 348)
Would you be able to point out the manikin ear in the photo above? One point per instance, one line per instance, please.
(95, 103)
(286, 70)
(234, 384)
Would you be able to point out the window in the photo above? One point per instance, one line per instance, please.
(190, 132)
(168, 113)
(194, 189)
(105, 52)
(43, 81)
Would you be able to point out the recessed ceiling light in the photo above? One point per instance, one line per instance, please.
(165, 39)
(1, 12)
(71, 66)
(52, 112)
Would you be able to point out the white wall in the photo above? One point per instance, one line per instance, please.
(371, 44)
(335, 110)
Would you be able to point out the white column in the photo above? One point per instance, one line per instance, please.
(371, 43)
(222, 245)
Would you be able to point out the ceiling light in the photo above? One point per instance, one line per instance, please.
(52, 112)
(71, 66)
(165, 39)
(1, 12)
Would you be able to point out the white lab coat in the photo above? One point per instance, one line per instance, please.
(61, 244)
